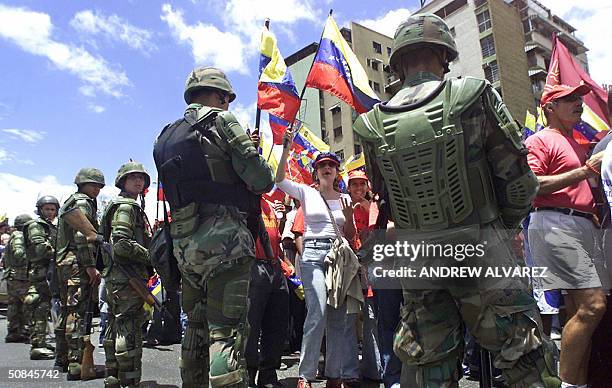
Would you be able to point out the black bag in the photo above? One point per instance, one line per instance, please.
(162, 256)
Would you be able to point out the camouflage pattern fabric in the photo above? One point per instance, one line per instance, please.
(502, 317)
(15, 312)
(74, 255)
(215, 266)
(40, 247)
(127, 232)
(15, 262)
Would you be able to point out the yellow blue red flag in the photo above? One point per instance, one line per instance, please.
(337, 70)
(276, 92)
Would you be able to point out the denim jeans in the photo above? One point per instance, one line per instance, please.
(371, 367)
(388, 303)
(342, 358)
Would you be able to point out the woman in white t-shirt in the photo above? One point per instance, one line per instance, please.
(342, 359)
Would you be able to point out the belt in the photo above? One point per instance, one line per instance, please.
(570, 212)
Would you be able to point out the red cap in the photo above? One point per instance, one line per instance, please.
(560, 91)
(357, 174)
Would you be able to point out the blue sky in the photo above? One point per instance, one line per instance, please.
(92, 83)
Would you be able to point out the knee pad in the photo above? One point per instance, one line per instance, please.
(537, 368)
(442, 373)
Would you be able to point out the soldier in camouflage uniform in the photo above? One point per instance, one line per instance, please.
(40, 241)
(447, 157)
(126, 227)
(210, 169)
(16, 273)
(77, 273)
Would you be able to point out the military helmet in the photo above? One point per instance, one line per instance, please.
(89, 175)
(21, 220)
(46, 200)
(207, 78)
(421, 30)
(129, 168)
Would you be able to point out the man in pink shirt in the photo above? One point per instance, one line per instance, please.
(563, 231)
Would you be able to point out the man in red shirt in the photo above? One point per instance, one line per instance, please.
(563, 231)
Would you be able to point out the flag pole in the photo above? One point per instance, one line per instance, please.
(309, 70)
(258, 112)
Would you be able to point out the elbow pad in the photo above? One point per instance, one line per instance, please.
(231, 131)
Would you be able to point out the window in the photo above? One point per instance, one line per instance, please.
(337, 132)
(484, 20)
(389, 51)
(374, 65)
(492, 72)
(324, 135)
(377, 47)
(478, 3)
(340, 154)
(376, 86)
(357, 149)
(488, 46)
(346, 33)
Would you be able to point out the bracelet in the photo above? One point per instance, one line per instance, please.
(592, 169)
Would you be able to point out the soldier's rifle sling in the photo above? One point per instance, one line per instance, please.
(136, 283)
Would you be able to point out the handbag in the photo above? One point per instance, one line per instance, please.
(342, 254)
(162, 256)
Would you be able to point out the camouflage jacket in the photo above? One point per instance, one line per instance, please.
(40, 243)
(72, 245)
(15, 258)
(124, 225)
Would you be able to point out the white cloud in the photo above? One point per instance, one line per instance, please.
(4, 156)
(31, 31)
(244, 18)
(113, 27)
(387, 23)
(96, 108)
(209, 45)
(19, 194)
(26, 135)
(590, 18)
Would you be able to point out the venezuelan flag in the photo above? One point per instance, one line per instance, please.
(278, 127)
(307, 143)
(276, 92)
(337, 70)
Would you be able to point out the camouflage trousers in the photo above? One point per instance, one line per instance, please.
(501, 315)
(215, 300)
(39, 296)
(16, 313)
(123, 336)
(75, 291)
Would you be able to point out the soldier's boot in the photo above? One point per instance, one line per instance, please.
(74, 371)
(111, 373)
(61, 351)
(15, 337)
(40, 350)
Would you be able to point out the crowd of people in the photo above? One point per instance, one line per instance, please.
(260, 275)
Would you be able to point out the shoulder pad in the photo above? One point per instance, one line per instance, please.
(366, 125)
(232, 132)
(169, 125)
(464, 92)
(504, 119)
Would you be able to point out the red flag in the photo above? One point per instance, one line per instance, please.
(565, 70)
(160, 192)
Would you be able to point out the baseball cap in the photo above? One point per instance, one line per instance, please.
(329, 156)
(559, 91)
(357, 174)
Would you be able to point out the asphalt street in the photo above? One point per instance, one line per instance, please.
(160, 367)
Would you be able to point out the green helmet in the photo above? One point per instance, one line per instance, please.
(207, 78)
(45, 200)
(420, 30)
(89, 175)
(21, 220)
(129, 168)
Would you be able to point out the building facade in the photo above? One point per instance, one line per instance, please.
(508, 42)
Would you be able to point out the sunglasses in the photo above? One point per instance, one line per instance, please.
(326, 164)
